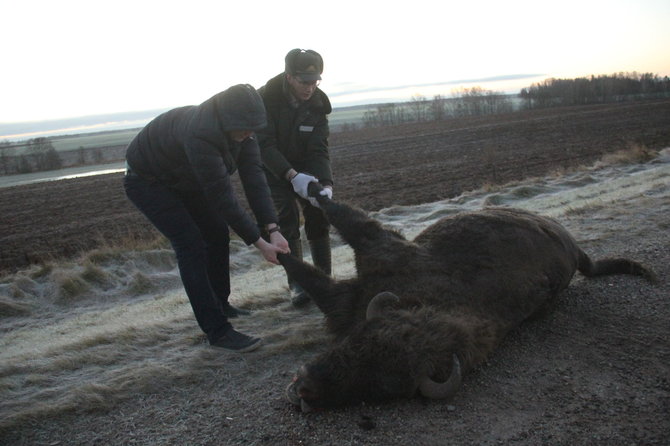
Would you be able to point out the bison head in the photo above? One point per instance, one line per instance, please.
(387, 356)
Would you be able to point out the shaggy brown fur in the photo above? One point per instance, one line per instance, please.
(462, 284)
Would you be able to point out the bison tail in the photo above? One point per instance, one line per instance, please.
(611, 266)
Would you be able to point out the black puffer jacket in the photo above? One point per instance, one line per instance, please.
(187, 148)
(295, 137)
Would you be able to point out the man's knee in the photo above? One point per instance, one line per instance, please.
(188, 244)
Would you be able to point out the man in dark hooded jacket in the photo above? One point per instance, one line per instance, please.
(294, 147)
(178, 175)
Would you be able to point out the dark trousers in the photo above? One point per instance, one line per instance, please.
(201, 244)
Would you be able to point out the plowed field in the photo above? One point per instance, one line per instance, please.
(373, 168)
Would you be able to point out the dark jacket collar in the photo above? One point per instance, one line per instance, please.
(276, 91)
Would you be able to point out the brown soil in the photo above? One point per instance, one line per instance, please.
(374, 168)
(593, 371)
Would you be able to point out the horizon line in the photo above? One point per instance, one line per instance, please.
(348, 92)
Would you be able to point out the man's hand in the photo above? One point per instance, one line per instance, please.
(270, 250)
(300, 183)
(278, 240)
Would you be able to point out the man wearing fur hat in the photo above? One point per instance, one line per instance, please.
(294, 149)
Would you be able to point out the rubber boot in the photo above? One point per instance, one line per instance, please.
(321, 254)
(299, 297)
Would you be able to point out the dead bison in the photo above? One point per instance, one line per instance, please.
(421, 313)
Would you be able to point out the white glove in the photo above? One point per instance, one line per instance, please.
(327, 192)
(300, 183)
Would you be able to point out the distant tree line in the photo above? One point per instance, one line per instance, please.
(595, 90)
(477, 101)
(38, 154)
(464, 102)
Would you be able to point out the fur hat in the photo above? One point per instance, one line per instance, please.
(306, 65)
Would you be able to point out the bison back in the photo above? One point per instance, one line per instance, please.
(508, 259)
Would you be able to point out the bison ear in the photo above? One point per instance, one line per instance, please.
(381, 303)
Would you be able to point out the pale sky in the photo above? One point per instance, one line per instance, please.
(70, 58)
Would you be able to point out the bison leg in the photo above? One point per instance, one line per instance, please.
(334, 299)
(357, 229)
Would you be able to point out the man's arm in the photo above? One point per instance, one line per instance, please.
(214, 179)
(272, 158)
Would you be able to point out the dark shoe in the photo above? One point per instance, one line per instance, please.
(232, 312)
(238, 342)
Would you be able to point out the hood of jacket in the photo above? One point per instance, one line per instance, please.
(238, 108)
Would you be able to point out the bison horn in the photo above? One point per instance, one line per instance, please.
(434, 390)
(381, 303)
(292, 395)
(293, 398)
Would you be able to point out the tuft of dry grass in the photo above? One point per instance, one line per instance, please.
(102, 256)
(113, 250)
(69, 285)
(489, 187)
(42, 271)
(11, 307)
(160, 259)
(17, 296)
(635, 153)
(94, 274)
(139, 284)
